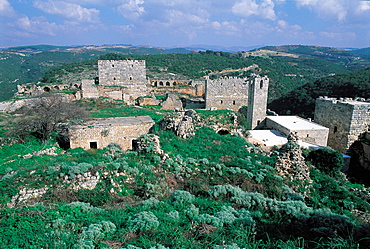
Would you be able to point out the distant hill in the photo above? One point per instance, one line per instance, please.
(364, 52)
(288, 67)
(26, 64)
(301, 101)
(344, 58)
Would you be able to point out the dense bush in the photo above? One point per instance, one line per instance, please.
(327, 160)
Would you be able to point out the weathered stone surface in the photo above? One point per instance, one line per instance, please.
(148, 143)
(346, 119)
(290, 163)
(99, 133)
(171, 102)
(25, 196)
(233, 93)
(181, 123)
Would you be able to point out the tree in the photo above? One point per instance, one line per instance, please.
(327, 160)
(47, 116)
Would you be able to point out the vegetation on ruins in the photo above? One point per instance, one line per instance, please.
(287, 66)
(48, 116)
(207, 191)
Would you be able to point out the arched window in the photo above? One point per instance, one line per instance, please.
(261, 84)
(161, 83)
(168, 83)
(335, 129)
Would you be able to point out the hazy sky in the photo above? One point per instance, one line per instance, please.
(176, 23)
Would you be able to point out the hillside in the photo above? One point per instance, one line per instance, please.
(364, 52)
(343, 58)
(301, 101)
(206, 191)
(286, 72)
(26, 64)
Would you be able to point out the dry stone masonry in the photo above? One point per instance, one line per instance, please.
(99, 133)
(346, 119)
(234, 93)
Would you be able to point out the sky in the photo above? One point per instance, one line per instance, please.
(184, 23)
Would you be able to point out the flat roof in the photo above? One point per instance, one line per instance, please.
(296, 123)
(117, 121)
(271, 138)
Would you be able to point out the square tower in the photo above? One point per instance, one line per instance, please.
(257, 100)
(121, 72)
(226, 93)
(130, 75)
(345, 118)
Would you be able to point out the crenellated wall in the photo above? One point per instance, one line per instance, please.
(346, 119)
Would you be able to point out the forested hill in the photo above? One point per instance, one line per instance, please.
(286, 72)
(26, 64)
(288, 67)
(301, 101)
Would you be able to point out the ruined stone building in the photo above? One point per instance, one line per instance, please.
(234, 93)
(305, 130)
(346, 119)
(118, 79)
(99, 133)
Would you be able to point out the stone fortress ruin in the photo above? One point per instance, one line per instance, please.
(338, 122)
(346, 119)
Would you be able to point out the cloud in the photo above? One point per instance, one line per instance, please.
(347, 36)
(246, 8)
(132, 10)
(36, 25)
(341, 10)
(285, 26)
(70, 11)
(6, 9)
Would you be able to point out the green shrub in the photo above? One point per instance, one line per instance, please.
(143, 221)
(180, 196)
(327, 160)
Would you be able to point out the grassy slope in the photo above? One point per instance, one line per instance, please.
(149, 212)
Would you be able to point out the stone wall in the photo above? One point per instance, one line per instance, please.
(226, 93)
(191, 87)
(257, 101)
(345, 118)
(121, 72)
(99, 133)
(129, 74)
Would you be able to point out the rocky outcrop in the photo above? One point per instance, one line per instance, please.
(148, 143)
(181, 123)
(171, 102)
(290, 163)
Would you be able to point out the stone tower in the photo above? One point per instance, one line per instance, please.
(121, 72)
(346, 119)
(226, 93)
(257, 99)
(128, 74)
